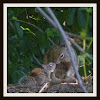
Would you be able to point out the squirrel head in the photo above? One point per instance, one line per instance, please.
(49, 67)
(57, 53)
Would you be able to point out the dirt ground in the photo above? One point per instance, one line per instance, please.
(56, 88)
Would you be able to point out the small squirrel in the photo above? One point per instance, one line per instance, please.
(38, 76)
(59, 54)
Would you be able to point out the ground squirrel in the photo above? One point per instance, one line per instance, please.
(59, 54)
(38, 76)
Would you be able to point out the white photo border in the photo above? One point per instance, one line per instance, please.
(6, 5)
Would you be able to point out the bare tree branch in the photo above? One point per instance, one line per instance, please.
(72, 35)
(28, 24)
(27, 17)
(33, 26)
(38, 62)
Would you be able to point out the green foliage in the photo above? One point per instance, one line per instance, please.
(24, 40)
(71, 16)
(81, 19)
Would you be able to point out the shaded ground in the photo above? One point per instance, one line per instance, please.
(56, 88)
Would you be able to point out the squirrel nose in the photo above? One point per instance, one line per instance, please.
(57, 62)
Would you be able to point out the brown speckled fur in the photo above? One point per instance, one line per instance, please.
(39, 75)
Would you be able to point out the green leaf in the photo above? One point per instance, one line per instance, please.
(13, 39)
(17, 75)
(10, 14)
(81, 19)
(89, 10)
(14, 17)
(51, 32)
(71, 16)
(27, 29)
(80, 58)
(83, 34)
(19, 29)
(90, 21)
(90, 44)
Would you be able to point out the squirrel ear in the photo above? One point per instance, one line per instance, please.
(58, 42)
(61, 43)
(43, 66)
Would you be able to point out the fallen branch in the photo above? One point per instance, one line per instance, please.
(45, 87)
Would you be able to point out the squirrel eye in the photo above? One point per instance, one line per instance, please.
(50, 64)
(62, 56)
